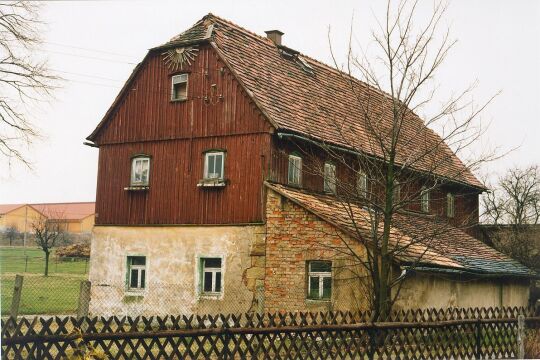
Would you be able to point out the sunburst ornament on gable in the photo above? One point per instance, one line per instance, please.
(176, 58)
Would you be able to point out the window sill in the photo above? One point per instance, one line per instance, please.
(210, 296)
(135, 293)
(318, 301)
(212, 183)
(178, 100)
(137, 188)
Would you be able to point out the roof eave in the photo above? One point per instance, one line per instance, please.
(464, 271)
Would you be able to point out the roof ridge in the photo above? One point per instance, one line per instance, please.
(241, 28)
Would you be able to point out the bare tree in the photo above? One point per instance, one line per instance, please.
(24, 78)
(11, 233)
(390, 169)
(513, 208)
(47, 233)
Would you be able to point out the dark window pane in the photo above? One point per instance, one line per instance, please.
(211, 165)
(212, 263)
(291, 171)
(327, 288)
(219, 162)
(320, 266)
(218, 282)
(134, 278)
(207, 284)
(143, 278)
(314, 287)
(138, 260)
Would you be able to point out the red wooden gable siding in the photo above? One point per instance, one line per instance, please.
(146, 112)
(175, 134)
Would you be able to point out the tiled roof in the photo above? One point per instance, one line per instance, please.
(66, 211)
(319, 102)
(5, 208)
(425, 241)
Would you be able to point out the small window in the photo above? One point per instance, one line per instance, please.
(136, 272)
(140, 170)
(295, 170)
(362, 184)
(424, 199)
(179, 87)
(330, 178)
(213, 165)
(319, 280)
(211, 276)
(396, 192)
(450, 205)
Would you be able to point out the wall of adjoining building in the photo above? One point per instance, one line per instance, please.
(440, 291)
(295, 237)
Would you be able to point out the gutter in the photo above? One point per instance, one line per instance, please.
(283, 135)
(450, 271)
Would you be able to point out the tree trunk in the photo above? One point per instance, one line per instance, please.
(47, 263)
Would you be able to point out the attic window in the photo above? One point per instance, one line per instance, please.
(179, 87)
(304, 65)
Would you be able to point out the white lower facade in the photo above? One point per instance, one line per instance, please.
(171, 269)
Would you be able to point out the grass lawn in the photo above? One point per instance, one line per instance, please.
(56, 294)
(32, 260)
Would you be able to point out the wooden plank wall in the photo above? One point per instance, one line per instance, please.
(217, 114)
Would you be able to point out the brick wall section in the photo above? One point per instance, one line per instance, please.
(294, 237)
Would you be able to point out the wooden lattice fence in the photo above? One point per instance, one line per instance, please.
(420, 334)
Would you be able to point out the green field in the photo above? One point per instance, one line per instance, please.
(56, 294)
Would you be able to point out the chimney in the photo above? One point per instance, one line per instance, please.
(274, 35)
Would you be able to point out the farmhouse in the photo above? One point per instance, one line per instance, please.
(75, 217)
(207, 198)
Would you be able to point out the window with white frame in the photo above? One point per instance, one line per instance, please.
(295, 170)
(179, 87)
(330, 178)
(362, 184)
(319, 280)
(140, 170)
(214, 163)
(450, 205)
(136, 272)
(396, 192)
(424, 199)
(211, 275)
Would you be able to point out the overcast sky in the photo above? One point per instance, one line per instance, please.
(94, 45)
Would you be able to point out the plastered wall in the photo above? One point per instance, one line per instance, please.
(172, 277)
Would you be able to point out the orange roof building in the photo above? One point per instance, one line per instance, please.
(77, 216)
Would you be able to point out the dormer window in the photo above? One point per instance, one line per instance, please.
(140, 170)
(295, 170)
(424, 200)
(214, 162)
(179, 87)
(329, 178)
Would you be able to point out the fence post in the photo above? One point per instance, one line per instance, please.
(521, 336)
(478, 352)
(26, 263)
(260, 296)
(16, 300)
(84, 299)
